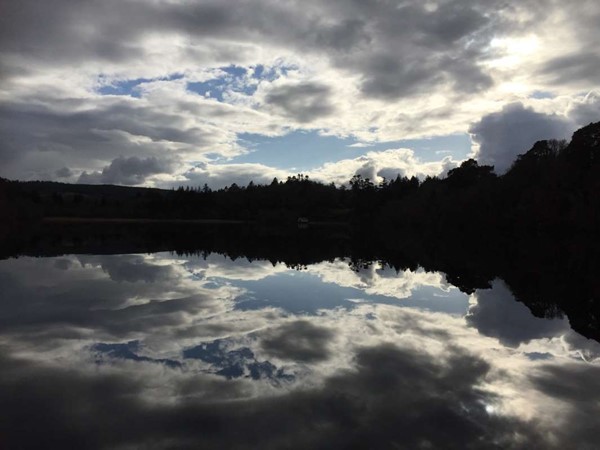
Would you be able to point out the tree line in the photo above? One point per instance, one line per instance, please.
(553, 186)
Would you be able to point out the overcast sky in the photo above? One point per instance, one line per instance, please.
(183, 92)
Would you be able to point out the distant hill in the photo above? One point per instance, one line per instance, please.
(91, 190)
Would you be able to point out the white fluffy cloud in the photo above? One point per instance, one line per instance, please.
(383, 164)
(379, 280)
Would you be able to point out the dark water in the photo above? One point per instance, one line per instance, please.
(159, 350)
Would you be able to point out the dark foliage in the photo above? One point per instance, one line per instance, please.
(553, 186)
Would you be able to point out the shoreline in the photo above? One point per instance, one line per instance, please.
(118, 220)
(141, 220)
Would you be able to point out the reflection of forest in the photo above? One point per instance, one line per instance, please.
(551, 275)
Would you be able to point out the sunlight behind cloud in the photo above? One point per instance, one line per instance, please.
(514, 51)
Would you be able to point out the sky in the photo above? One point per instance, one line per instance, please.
(185, 92)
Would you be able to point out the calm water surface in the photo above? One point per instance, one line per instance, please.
(164, 351)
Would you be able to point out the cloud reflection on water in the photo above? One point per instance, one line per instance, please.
(151, 350)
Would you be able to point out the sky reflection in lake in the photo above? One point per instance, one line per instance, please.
(164, 351)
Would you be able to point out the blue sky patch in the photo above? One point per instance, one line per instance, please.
(301, 150)
(235, 80)
(238, 79)
(305, 150)
(266, 73)
(128, 351)
(542, 95)
(130, 87)
(303, 292)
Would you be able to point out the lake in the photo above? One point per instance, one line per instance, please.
(208, 350)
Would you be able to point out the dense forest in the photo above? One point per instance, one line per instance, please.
(554, 186)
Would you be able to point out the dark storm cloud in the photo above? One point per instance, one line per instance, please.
(298, 341)
(412, 49)
(504, 135)
(386, 75)
(127, 171)
(451, 21)
(343, 35)
(574, 68)
(64, 172)
(497, 314)
(302, 102)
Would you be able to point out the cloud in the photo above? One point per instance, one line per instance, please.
(132, 269)
(218, 176)
(126, 293)
(240, 269)
(377, 165)
(498, 314)
(585, 110)
(505, 134)
(512, 131)
(360, 145)
(63, 172)
(360, 406)
(577, 68)
(303, 102)
(298, 341)
(379, 280)
(375, 71)
(85, 133)
(576, 387)
(409, 48)
(127, 171)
